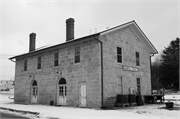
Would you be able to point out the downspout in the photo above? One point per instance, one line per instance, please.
(151, 70)
(102, 95)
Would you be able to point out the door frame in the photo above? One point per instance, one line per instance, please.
(31, 92)
(57, 90)
(64, 92)
(80, 84)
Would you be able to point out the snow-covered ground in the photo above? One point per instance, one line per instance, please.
(153, 111)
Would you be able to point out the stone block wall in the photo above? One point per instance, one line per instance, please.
(87, 71)
(130, 43)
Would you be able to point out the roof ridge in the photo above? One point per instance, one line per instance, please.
(117, 26)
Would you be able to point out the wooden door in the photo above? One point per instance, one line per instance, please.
(82, 95)
(62, 95)
(34, 94)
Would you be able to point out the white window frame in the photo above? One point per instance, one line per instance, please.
(56, 59)
(25, 64)
(77, 54)
(137, 59)
(119, 54)
(39, 63)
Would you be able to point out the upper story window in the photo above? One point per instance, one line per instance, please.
(119, 54)
(56, 59)
(137, 59)
(39, 63)
(25, 65)
(77, 55)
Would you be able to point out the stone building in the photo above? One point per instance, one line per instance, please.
(84, 72)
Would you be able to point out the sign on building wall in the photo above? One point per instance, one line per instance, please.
(128, 68)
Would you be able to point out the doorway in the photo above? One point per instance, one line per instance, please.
(62, 92)
(34, 92)
(82, 95)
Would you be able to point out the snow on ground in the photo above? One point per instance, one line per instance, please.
(20, 114)
(155, 111)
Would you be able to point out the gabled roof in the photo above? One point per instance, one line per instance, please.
(53, 46)
(133, 25)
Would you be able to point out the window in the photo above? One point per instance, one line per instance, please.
(138, 86)
(60, 91)
(25, 65)
(119, 54)
(137, 59)
(56, 59)
(120, 84)
(39, 63)
(77, 55)
(120, 80)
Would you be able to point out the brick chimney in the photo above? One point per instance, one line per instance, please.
(32, 42)
(69, 29)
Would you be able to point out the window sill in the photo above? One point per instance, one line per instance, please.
(119, 63)
(55, 67)
(39, 69)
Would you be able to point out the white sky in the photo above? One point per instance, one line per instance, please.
(159, 20)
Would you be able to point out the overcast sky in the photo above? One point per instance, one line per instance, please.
(158, 19)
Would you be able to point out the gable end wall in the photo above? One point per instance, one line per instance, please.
(130, 43)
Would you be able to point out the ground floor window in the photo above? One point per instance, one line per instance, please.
(120, 84)
(138, 80)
